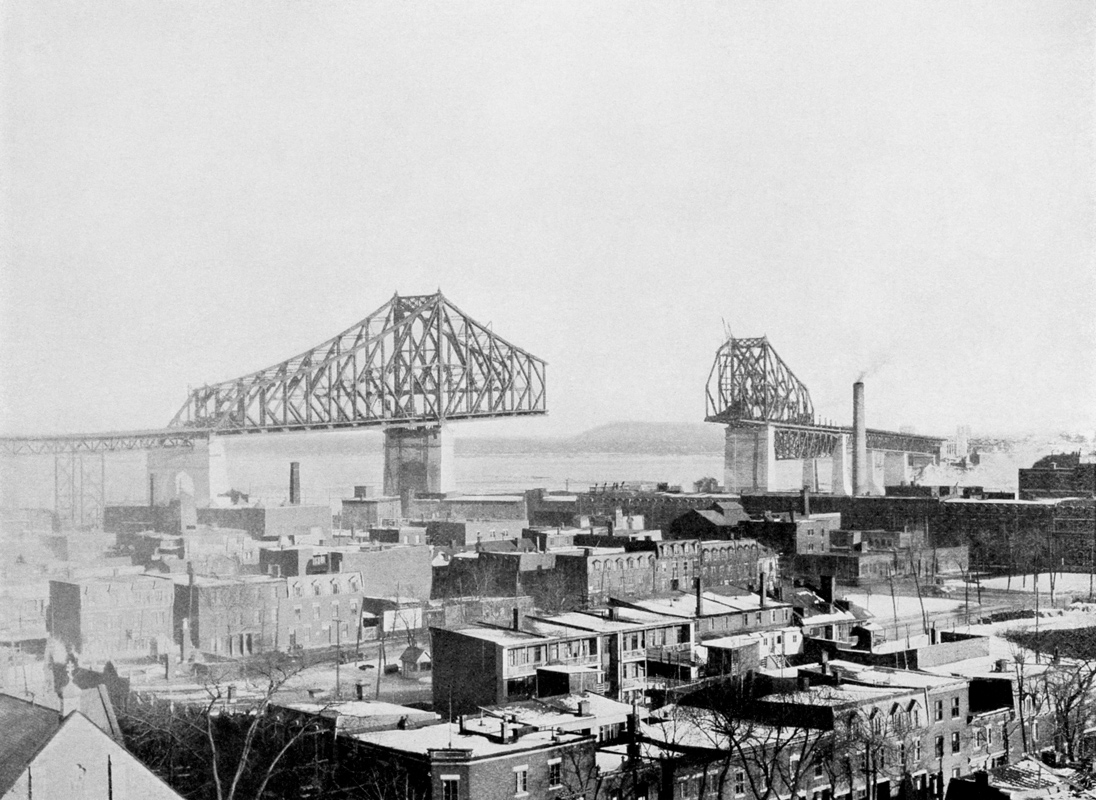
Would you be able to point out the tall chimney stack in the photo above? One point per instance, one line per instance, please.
(859, 441)
(294, 483)
(699, 598)
(761, 587)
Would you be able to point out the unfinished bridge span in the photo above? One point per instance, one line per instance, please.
(411, 367)
(770, 418)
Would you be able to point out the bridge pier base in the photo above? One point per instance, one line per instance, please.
(896, 471)
(841, 482)
(204, 467)
(418, 460)
(749, 462)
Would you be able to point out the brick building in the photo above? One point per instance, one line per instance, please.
(112, 617)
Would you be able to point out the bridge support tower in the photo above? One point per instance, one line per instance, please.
(201, 470)
(749, 463)
(418, 459)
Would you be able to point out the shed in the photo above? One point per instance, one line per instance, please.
(414, 660)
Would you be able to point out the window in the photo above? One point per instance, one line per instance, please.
(555, 773)
(955, 742)
(939, 709)
(818, 767)
(939, 746)
(1035, 729)
(450, 787)
(739, 783)
(955, 706)
(521, 780)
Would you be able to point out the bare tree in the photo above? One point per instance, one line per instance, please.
(229, 745)
(731, 746)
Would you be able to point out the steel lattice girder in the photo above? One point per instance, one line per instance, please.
(792, 443)
(749, 381)
(416, 359)
(99, 442)
(819, 441)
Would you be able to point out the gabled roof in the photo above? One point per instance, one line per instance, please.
(27, 727)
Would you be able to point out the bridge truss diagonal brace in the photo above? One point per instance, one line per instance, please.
(416, 359)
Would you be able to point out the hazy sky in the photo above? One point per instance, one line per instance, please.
(193, 191)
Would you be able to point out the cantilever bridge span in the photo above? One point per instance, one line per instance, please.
(770, 418)
(409, 368)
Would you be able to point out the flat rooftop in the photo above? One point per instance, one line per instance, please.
(474, 739)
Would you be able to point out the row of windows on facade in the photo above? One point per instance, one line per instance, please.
(334, 611)
(450, 784)
(298, 589)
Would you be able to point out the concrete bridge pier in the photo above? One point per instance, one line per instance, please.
(841, 483)
(896, 468)
(749, 463)
(418, 459)
(201, 471)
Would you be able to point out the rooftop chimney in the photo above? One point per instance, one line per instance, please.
(294, 483)
(859, 441)
(359, 690)
(515, 622)
(826, 586)
(806, 501)
(761, 587)
(699, 598)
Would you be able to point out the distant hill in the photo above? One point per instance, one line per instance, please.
(615, 437)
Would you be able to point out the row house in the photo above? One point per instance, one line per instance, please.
(487, 665)
(836, 731)
(717, 613)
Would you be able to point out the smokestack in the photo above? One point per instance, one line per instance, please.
(294, 483)
(699, 598)
(859, 441)
(761, 587)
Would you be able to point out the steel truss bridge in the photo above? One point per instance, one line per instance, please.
(750, 385)
(416, 362)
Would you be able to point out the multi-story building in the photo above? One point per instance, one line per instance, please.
(113, 617)
(836, 731)
(322, 611)
(485, 665)
(230, 616)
